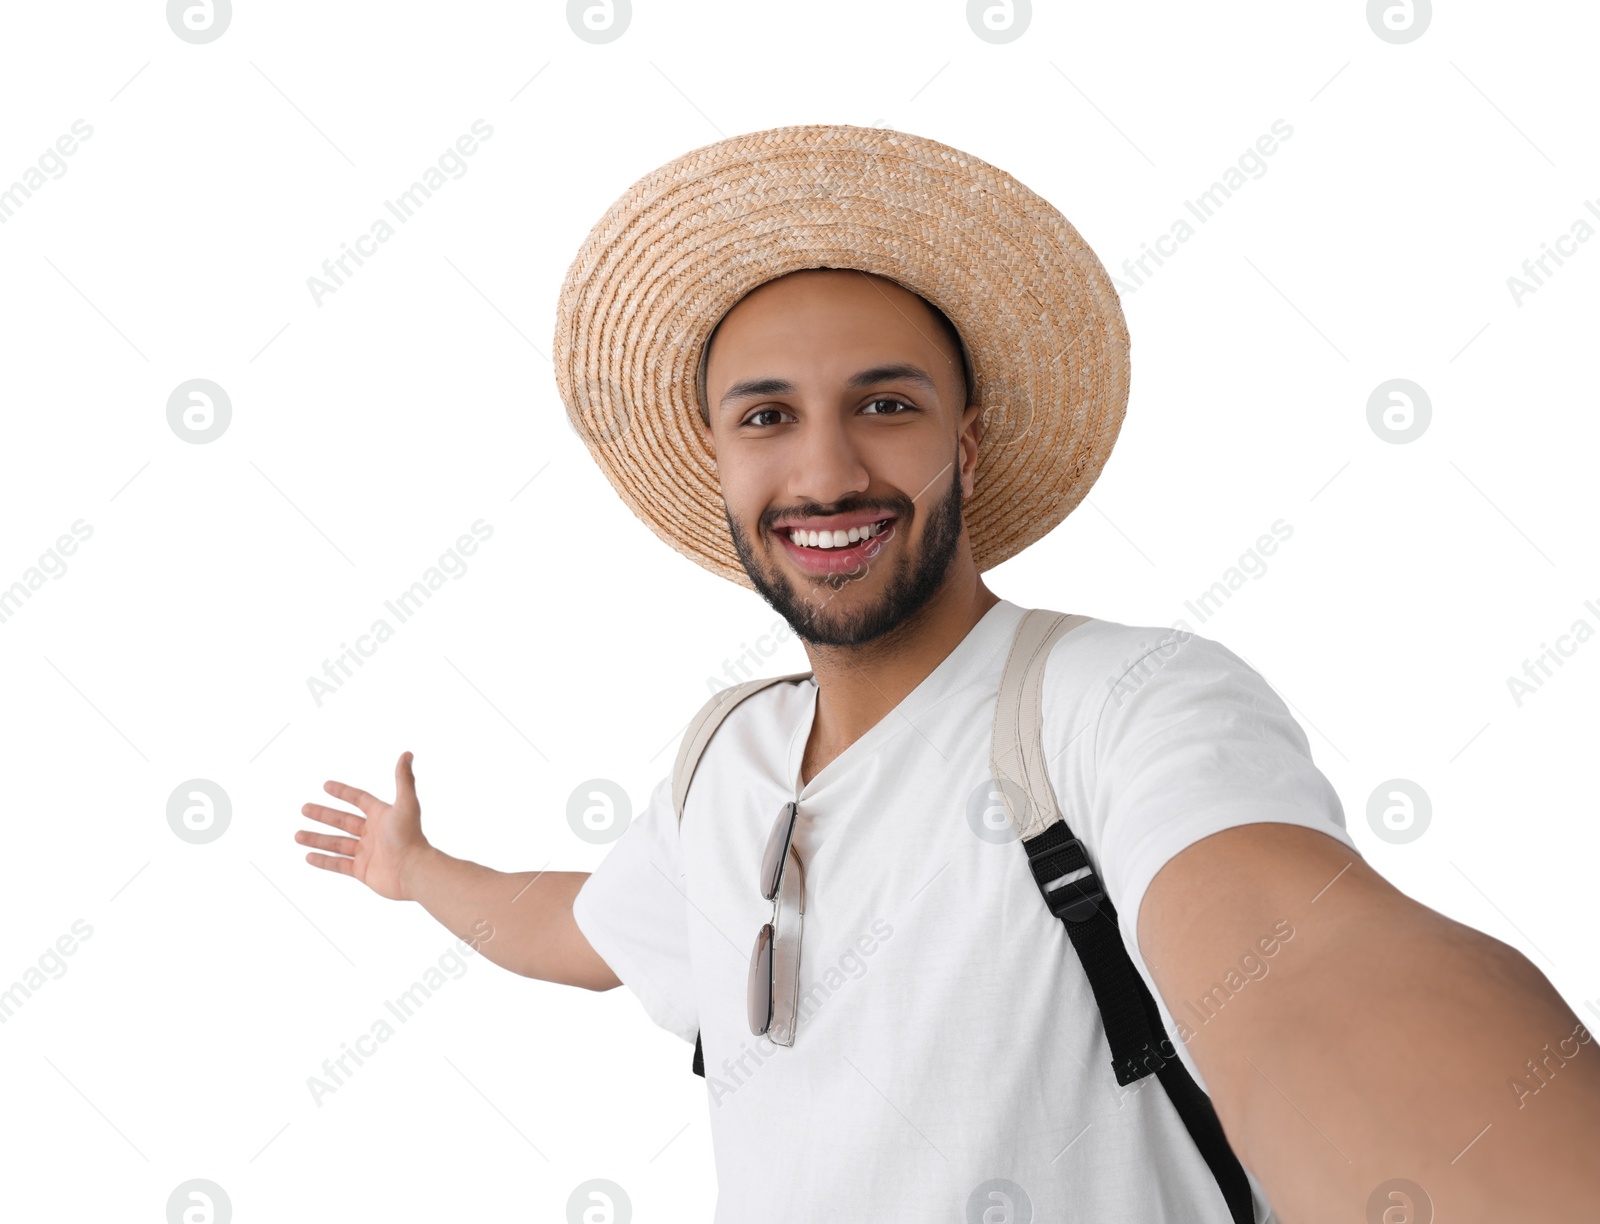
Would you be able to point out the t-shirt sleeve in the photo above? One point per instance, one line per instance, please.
(1191, 740)
(633, 910)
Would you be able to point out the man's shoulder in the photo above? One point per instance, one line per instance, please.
(1101, 662)
(1108, 651)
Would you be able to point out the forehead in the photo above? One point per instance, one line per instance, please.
(841, 314)
(822, 294)
(832, 323)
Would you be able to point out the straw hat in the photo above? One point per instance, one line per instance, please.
(1043, 326)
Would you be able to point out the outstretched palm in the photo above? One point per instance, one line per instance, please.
(381, 840)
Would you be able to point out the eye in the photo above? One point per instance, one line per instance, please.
(884, 399)
(761, 412)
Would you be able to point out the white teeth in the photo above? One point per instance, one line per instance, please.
(836, 539)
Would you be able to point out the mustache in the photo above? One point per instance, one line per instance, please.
(900, 508)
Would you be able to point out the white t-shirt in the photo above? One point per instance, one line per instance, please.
(952, 1039)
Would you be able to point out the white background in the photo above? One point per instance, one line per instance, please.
(371, 430)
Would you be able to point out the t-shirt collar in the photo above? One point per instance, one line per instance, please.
(980, 652)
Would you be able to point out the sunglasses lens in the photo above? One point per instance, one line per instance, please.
(760, 991)
(777, 852)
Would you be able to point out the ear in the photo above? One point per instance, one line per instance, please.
(967, 442)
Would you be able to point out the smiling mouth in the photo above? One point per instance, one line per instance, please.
(823, 541)
(835, 552)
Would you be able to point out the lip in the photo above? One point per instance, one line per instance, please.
(823, 561)
(838, 522)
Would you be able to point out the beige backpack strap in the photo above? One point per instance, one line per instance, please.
(1138, 1042)
(701, 728)
(705, 723)
(1017, 754)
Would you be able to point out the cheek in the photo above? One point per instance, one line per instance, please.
(744, 497)
(753, 477)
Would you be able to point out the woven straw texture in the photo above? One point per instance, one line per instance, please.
(1043, 326)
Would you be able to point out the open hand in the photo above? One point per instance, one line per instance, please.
(382, 842)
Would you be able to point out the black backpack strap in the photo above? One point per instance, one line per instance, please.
(1073, 892)
(692, 747)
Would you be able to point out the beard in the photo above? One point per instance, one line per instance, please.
(816, 615)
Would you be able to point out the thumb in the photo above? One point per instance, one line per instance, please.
(404, 779)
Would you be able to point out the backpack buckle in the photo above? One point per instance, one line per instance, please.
(1078, 898)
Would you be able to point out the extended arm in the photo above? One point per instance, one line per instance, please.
(1381, 1040)
(530, 913)
(520, 920)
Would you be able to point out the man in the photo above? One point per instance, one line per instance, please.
(946, 1058)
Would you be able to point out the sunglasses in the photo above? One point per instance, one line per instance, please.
(774, 992)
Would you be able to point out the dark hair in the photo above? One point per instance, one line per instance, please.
(939, 317)
(960, 346)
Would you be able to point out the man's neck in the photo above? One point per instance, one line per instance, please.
(857, 686)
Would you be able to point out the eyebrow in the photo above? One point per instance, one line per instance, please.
(898, 371)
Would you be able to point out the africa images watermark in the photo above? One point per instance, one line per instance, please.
(1542, 1073)
(1252, 564)
(1195, 1014)
(51, 564)
(1203, 207)
(405, 605)
(745, 664)
(851, 965)
(51, 966)
(1135, 672)
(1252, 968)
(336, 1071)
(451, 564)
(748, 664)
(1535, 271)
(1537, 670)
(453, 161)
(52, 162)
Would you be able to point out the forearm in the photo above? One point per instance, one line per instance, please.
(1350, 1036)
(527, 914)
(1406, 1055)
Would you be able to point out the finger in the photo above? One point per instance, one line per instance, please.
(334, 845)
(342, 865)
(370, 804)
(405, 781)
(348, 821)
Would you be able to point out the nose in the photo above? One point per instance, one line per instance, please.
(826, 462)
